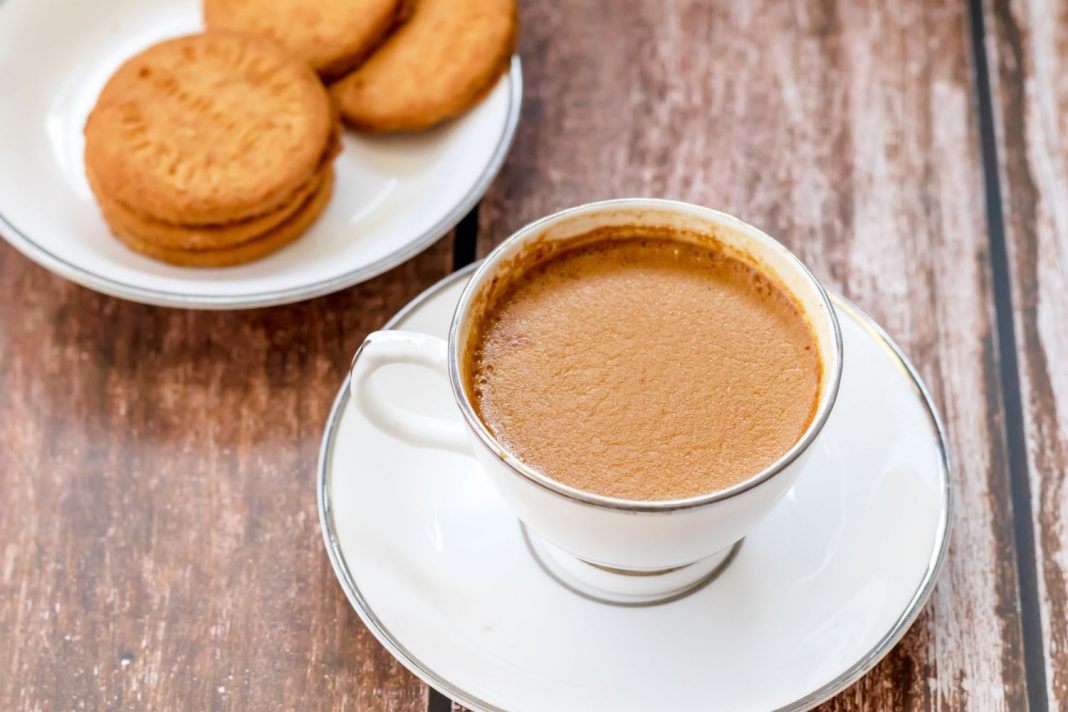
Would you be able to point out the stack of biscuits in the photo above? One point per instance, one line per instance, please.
(216, 149)
(211, 150)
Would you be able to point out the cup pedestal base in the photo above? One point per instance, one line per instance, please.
(618, 586)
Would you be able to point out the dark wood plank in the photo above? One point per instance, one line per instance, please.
(159, 542)
(847, 130)
(1028, 46)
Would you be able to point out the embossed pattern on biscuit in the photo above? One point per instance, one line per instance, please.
(208, 129)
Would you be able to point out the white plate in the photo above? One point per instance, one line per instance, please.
(438, 569)
(394, 196)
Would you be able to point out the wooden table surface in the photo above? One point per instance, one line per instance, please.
(159, 543)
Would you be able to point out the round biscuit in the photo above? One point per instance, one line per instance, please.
(208, 129)
(261, 246)
(437, 65)
(333, 36)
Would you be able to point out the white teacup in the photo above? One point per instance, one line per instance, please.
(613, 549)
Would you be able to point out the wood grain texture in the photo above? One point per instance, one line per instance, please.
(159, 542)
(847, 130)
(159, 545)
(1028, 47)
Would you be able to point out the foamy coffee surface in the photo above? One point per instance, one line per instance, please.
(644, 368)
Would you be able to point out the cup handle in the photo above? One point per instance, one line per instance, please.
(382, 348)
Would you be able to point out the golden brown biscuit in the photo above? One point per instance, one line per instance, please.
(333, 36)
(435, 66)
(208, 129)
(200, 237)
(262, 246)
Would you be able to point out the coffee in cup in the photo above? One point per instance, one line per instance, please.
(633, 363)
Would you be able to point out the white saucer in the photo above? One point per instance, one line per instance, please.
(394, 196)
(440, 572)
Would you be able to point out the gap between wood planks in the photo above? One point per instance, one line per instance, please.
(465, 240)
(1019, 475)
